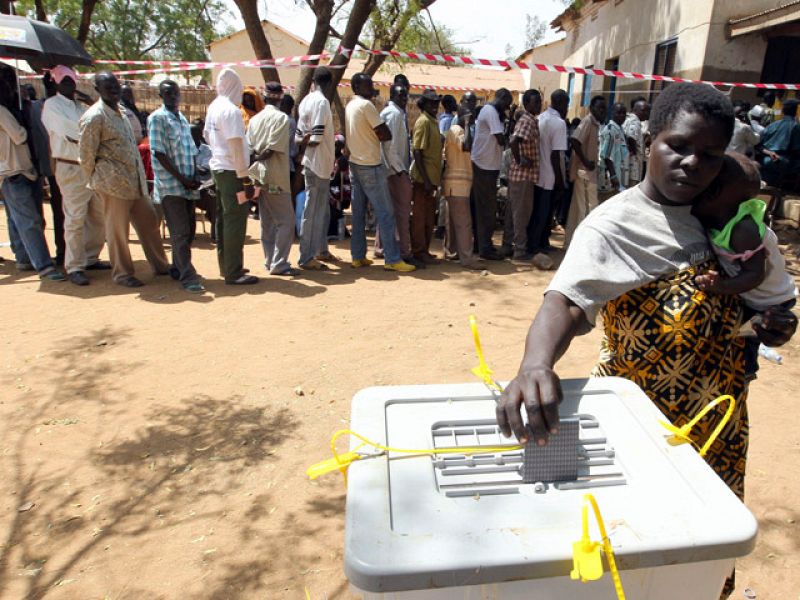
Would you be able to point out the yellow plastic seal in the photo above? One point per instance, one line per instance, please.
(587, 563)
(680, 435)
(482, 370)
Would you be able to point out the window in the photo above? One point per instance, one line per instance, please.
(664, 65)
(586, 91)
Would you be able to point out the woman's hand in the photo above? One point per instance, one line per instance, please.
(777, 326)
(539, 389)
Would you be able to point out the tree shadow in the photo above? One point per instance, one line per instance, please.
(187, 451)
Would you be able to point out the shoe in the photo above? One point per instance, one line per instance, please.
(522, 258)
(243, 280)
(505, 251)
(51, 274)
(492, 255)
(429, 259)
(100, 265)
(400, 267)
(360, 262)
(378, 254)
(78, 278)
(452, 256)
(130, 282)
(25, 267)
(328, 257)
(194, 287)
(474, 266)
(414, 262)
(314, 265)
(290, 272)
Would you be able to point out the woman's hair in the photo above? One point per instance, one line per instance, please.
(694, 98)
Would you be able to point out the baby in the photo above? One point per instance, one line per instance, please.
(746, 248)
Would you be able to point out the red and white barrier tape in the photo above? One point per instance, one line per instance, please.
(296, 61)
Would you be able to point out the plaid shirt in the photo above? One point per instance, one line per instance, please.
(527, 132)
(169, 133)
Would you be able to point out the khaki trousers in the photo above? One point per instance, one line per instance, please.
(518, 216)
(460, 228)
(584, 201)
(84, 225)
(120, 213)
(423, 220)
(401, 191)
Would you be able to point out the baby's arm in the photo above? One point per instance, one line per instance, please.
(745, 236)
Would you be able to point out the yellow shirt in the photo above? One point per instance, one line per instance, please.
(361, 118)
(458, 170)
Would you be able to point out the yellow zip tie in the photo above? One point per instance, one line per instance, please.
(680, 435)
(342, 461)
(482, 370)
(308, 594)
(586, 560)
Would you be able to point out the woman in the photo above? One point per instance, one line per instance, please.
(252, 104)
(634, 261)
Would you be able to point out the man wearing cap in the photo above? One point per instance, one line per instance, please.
(84, 226)
(364, 132)
(175, 185)
(426, 173)
(111, 162)
(268, 136)
(230, 164)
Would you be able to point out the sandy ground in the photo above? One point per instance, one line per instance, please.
(159, 438)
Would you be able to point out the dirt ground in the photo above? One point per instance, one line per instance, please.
(153, 444)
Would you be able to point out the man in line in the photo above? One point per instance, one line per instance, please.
(780, 147)
(767, 108)
(487, 154)
(583, 166)
(110, 161)
(523, 174)
(230, 163)
(44, 163)
(450, 107)
(132, 112)
(614, 157)
(175, 185)
(364, 132)
(552, 146)
(634, 133)
(426, 173)
(84, 225)
(744, 139)
(268, 136)
(21, 187)
(397, 159)
(315, 138)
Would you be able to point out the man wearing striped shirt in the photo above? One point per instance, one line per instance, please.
(175, 186)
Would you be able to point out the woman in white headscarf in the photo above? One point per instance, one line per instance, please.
(230, 161)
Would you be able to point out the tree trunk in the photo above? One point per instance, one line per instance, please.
(323, 9)
(258, 40)
(375, 61)
(41, 13)
(86, 21)
(355, 23)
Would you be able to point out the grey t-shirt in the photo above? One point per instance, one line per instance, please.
(625, 243)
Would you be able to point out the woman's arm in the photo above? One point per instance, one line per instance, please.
(536, 385)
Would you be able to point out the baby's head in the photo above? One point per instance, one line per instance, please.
(739, 180)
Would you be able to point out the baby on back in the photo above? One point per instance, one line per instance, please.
(747, 249)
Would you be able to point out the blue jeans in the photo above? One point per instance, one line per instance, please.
(369, 183)
(316, 217)
(25, 225)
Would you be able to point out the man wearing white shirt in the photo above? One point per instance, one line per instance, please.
(397, 158)
(230, 164)
(487, 155)
(552, 145)
(315, 135)
(84, 224)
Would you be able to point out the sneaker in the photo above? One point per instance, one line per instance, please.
(290, 272)
(78, 278)
(194, 288)
(360, 262)
(328, 257)
(400, 267)
(51, 274)
(378, 254)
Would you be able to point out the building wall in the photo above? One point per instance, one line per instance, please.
(545, 82)
(236, 47)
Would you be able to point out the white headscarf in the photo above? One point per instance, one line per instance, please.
(229, 85)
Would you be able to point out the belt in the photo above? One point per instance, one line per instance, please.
(68, 161)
